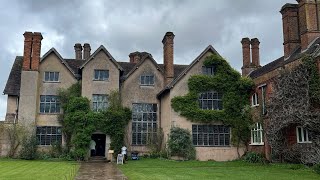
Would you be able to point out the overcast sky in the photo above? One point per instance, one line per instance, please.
(124, 26)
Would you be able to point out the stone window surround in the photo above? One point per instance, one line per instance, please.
(45, 100)
(302, 135)
(99, 102)
(208, 70)
(54, 74)
(257, 134)
(144, 82)
(212, 132)
(46, 138)
(100, 77)
(210, 98)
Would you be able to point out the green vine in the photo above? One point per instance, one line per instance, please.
(236, 92)
(314, 79)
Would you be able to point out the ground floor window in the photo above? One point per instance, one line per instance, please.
(303, 135)
(257, 134)
(144, 122)
(48, 135)
(210, 135)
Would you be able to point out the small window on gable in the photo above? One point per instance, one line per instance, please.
(51, 76)
(303, 135)
(101, 75)
(254, 99)
(208, 70)
(147, 80)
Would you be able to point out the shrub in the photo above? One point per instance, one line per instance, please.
(316, 168)
(253, 157)
(180, 143)
(29, 148)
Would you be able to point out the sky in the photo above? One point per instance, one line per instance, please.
(125, 26)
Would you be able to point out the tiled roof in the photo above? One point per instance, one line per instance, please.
(14, 79)
(127, 67)
(75, 64)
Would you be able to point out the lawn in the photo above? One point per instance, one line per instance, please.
(23, 169)
(168, 169)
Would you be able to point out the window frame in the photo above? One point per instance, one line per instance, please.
(43, 104)
(56, 76)
(144, 123)
(203, 132)
(255, 99)
(305, 132)
(144, 81)
(209, 70)
(100, 77)
(42, 133)
(257, 131)
(104, 102)
(207, 97)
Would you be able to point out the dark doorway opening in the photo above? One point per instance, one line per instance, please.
(100, 140)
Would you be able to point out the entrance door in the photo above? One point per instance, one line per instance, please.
(100, 140)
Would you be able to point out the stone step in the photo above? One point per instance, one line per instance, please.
(98, 159)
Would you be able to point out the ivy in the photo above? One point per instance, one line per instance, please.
(314, 79)
(236, 93)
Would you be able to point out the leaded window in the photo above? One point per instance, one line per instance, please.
(48, 135)
(101, 75)
(254, 99)
(208, 70)
(51, 76)
(211, 100)
(147, 80)
(49, 104)
(303, 135)
(257, 134)
(144, 123)
(99, 102)
(210, 135)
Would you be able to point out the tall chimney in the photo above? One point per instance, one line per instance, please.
(245, 56)
(308, 21)
(255, 52)
(290, 26)
(86, 51)
(167, 42)
(27, 49)
(78, 50)
(36, 51)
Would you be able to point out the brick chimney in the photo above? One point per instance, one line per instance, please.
(86, 51)
(290, 26)
(255, 56)
(78, 50)
(167, 42)
(36, 51)
(245, 56)
(27, 49)
(135, 57)
(308, 21)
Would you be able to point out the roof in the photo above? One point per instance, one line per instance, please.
(297, 54)
(14, 79)
(75, 64)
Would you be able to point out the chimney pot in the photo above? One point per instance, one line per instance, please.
(86, 51)
(78, 50)
(255, 52)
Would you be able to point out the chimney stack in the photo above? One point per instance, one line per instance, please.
(36, 51)
(255, 56)
(78, 50)
(290, 25)
(135, 57)
(28, 36)
(31, 51)
(167, 42)
(308, 21)
(245, 55)
(86, 51)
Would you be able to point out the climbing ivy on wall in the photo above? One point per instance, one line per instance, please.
(236, 93)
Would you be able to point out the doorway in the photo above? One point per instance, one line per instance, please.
(100, 140)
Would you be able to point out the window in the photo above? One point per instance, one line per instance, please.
(254, 99)
(303, 135)
(99, 102)
(147, 80)
(51, 76)
(101, 75)
(208, 70)
(263, 93)
(210, 135)
(48, 135)
(49, 104)
(257, 135)
(211, 100)
(144, 123)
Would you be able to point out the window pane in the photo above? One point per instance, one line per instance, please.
(96, 74)
(46, 76)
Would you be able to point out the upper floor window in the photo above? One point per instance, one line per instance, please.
(257, 134)
(210, 135)
(208, 70)
(48, 135)
(99, 102)
(263, 98)
(211, 100)
(147, 80)
(49, 104)
(254, 99)
(51, 76)
(303, 135)
(101, 75)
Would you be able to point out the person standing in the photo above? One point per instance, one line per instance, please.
(93, 147)
(124, 152)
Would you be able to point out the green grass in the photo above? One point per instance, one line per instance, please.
(168, 169)
(35, 169)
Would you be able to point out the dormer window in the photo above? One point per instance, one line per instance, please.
(51, 76)
(101, 75)
(254, 99)
(147, 80)
(208, 70)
